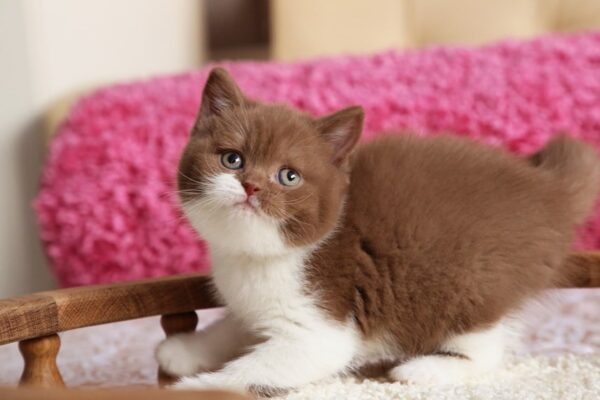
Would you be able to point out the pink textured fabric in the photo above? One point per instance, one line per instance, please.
(107, 210)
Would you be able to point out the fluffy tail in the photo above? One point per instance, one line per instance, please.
(580, 270)
(577, 169)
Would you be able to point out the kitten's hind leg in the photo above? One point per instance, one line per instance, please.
(460, 358)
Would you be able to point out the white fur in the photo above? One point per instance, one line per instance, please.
(484, 351)
(229, 227)
(261, 280)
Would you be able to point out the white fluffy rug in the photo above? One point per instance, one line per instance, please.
(540, 377)
(560, 359)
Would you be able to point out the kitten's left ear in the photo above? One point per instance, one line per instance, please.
(220, 93)
(342, 130)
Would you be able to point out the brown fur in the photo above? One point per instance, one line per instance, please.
(443, 235)
(580, 271)
(418, 238)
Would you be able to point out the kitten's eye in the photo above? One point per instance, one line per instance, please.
(232, 160)
(288, 177)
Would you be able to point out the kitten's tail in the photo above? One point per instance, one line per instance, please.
(580, 270)
(577, 167)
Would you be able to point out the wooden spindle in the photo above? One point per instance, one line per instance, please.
(40, 368)
(173, 324)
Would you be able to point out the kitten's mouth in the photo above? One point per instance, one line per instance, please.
(250, 204)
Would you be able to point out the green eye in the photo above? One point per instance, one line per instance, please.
(232, 160)
(288, 177)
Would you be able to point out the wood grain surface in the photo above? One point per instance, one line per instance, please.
(116, 394)
(55, 311)
(39, 356)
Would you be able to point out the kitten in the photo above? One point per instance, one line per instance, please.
(407, 250)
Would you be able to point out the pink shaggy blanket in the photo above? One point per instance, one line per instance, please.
(107, 210)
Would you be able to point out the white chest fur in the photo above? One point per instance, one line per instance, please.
(265, 291)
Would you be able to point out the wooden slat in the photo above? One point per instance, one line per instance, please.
(54, 311)
(27, 317)
(116, 394)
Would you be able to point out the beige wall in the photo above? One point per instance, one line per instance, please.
(308, 28)
(50, 49)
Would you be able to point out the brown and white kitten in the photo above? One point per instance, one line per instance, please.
(409, 249)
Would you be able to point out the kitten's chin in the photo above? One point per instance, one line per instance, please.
(239, 229)
(245, 207)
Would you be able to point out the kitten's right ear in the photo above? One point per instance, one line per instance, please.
(220, 93)
(342, 130)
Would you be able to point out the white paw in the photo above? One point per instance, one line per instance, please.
(432, 370)
(176, 358)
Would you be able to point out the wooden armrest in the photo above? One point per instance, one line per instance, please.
(45, 313)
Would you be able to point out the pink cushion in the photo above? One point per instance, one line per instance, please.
(107, 209)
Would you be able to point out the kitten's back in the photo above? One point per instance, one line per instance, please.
(442, 235)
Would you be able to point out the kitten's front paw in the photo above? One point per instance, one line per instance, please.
(175, 357)
(430, 370)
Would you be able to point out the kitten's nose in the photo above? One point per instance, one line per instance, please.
(250, 188)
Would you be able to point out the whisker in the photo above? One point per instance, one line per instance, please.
(180, 172)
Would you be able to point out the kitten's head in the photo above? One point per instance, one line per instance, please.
(262, 179)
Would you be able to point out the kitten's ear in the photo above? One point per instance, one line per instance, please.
(220, 93)
(342, 130)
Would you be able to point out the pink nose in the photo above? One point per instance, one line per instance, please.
(250, 188)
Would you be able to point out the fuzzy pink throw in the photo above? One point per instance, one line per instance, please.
(107, 210)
